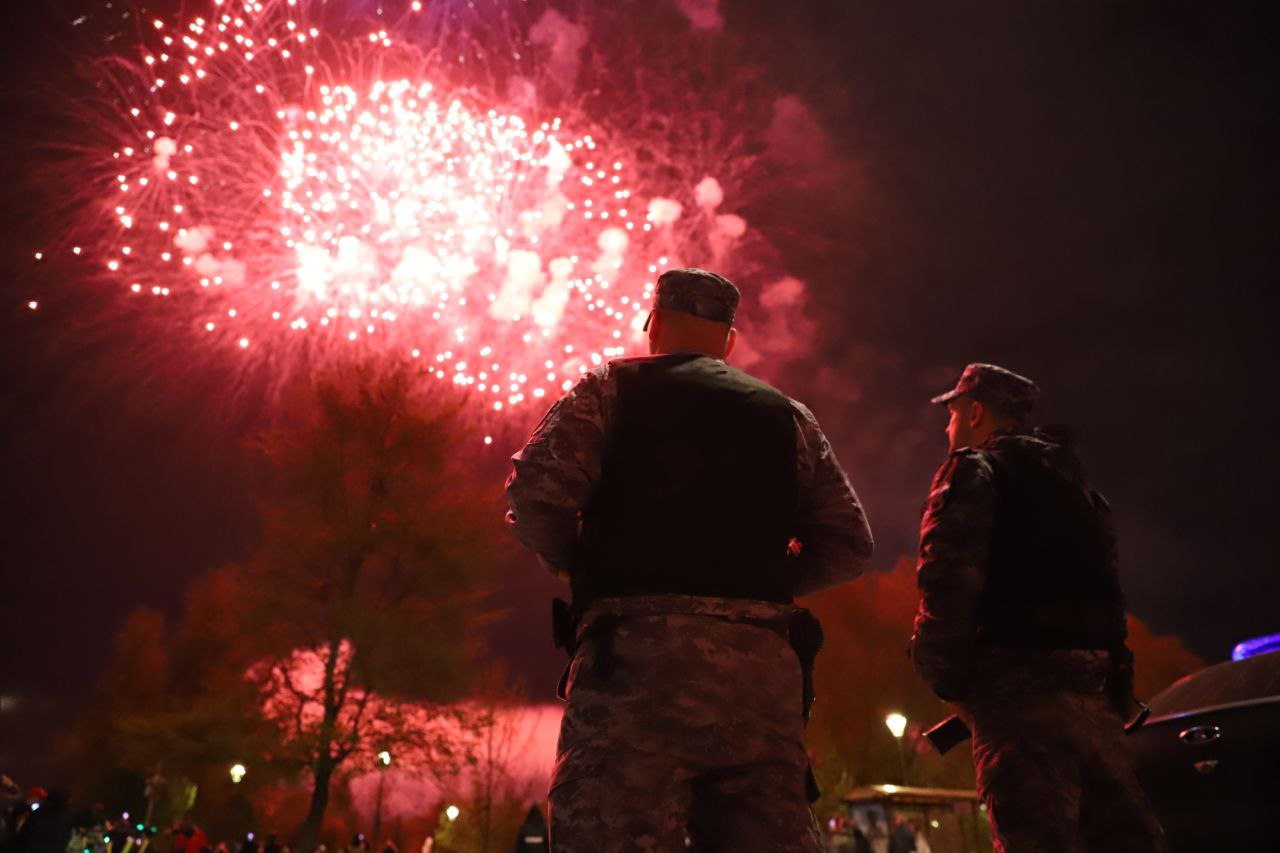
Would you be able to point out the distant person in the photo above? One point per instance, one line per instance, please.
(531, 837)
(1022, 622)
(879, 836)
(190, 839)
(922, 842)
(688, 504)
(10, 799)
(47, 826)
(861, 844)
(903, 839)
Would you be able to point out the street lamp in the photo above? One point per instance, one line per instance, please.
(897, 725)
(452, 812)
(384, 761)
(237, 773)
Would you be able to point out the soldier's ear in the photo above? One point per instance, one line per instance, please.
(977, 412)
(730, 341)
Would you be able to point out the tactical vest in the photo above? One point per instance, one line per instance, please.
(1052, 579)
(698, 494)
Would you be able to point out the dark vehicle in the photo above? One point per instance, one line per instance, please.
(1209, 757)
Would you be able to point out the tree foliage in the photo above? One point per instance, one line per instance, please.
(367, 588)
(350, 628)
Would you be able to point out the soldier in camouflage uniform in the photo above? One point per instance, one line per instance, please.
(1022, 623)
(687, 503)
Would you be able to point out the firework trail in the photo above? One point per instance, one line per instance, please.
(301, 187)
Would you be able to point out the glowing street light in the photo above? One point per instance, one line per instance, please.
(452, 812)
(237, 773)
(897, 725)
(383, 761)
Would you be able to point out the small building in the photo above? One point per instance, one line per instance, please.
(951, 819)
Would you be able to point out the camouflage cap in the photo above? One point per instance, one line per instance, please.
(999, 388)
(697, 292)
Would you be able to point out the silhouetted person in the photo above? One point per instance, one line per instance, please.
(688, 503)
(47, 827)
(532, 835)
(1022, 622)
(903, 839)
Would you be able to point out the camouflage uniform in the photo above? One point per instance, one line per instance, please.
(557, 470)
(1048, 744)
(698, 729)
(690, 720)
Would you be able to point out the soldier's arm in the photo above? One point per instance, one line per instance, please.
(955, 545)
(835, 539)
(554, 474)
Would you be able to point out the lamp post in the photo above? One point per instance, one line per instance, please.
(384, 761)
(897, 725)
(238, 772)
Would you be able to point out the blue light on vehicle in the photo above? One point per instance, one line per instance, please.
(1256, 646)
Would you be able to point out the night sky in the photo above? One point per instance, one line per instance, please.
(1082, 192)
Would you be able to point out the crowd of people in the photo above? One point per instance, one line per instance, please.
(43, 821)
(849, 836)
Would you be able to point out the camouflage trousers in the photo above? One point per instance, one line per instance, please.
(681, 718)
(1052, 764)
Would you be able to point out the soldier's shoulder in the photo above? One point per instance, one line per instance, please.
(963, 456)
(627, 360)
(965, 464)
(750, 380)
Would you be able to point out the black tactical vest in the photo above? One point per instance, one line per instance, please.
(1052, 579)
(698, 493)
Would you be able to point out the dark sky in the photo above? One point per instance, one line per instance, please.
(1083, 192)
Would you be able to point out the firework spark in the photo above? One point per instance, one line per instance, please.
(302, 197)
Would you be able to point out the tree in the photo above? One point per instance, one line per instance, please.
(495, 794)
(366, 589)
(862, 675)
(1158, 660)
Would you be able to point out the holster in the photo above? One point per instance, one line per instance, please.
(804, 632)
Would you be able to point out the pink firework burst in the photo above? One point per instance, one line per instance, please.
(300, 198)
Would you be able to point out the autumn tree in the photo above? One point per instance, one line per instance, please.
(495, 792)
(366, 589)
(171, 713)
(863, 675)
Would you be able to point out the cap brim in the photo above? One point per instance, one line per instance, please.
(946, 398)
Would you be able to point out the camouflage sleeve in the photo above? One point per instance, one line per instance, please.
(835, 539)
(554, 474)
(955, 543)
